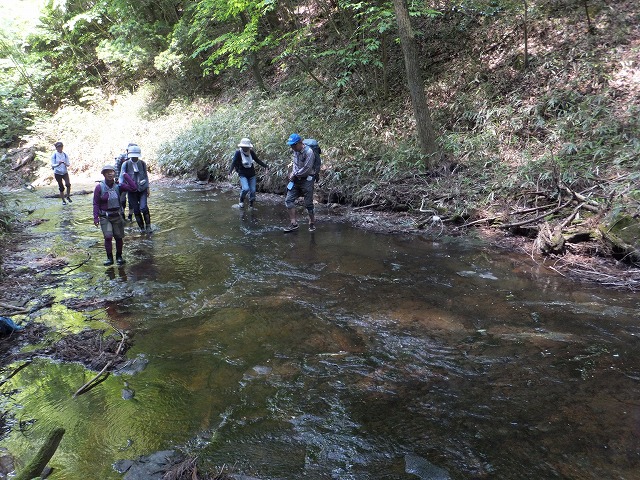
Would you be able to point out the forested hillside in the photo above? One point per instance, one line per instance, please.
(530, 122)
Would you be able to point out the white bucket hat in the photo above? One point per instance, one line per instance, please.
(245, 142)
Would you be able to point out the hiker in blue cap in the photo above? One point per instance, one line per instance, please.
(301, 180)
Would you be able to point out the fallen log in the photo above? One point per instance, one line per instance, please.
(39, 462)
(57, 195)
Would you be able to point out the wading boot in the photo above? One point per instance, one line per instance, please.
(109, 260)
(140, 222)
(147, 220)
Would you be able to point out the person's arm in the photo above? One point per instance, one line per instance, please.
(127, 184)
(54, 164)
(234, 160)
(96, 205)
(254, 155)
(123, 170)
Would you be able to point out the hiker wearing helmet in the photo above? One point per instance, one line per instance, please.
(301, 181)
(59, 164)
(137, 169)
(242, 163)
(107, 210)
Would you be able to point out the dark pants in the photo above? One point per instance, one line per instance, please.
(301, 188)
(138, 201)
(60, 178)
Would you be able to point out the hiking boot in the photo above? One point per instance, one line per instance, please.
(291, 228)
(312, 227)
(109, 261)
(241, 204)
(130, 217)
(251, 203)
(119, 260)
(68, 199)
(63, 202)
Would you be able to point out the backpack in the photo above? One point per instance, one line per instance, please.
(317, 163)
(120, 159)
(142, 183)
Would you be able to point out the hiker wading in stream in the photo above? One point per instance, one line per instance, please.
(120, 159)
(137, 169)
(107, 210)
(59, 164)
(242, 162)
(301, 181)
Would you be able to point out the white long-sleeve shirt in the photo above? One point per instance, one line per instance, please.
(59, 162)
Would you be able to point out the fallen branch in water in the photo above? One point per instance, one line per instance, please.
(75, 267)
(39, 462)
(96, 380)
(13, 374)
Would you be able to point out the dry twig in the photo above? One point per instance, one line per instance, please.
(95, 380)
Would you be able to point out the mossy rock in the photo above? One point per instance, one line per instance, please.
(622, 232)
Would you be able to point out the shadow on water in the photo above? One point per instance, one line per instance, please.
(335, 354)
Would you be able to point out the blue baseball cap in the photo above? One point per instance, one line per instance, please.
(293, 139)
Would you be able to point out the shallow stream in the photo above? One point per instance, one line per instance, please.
(337, 354)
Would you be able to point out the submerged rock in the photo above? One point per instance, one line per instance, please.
(127, 393)
(424, 469)
(148, 467)
(133, 366)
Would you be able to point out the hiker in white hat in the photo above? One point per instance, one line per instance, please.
(242, 163)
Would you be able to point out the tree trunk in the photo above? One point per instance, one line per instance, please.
(424, 126)
(426, 132)
(253, 58)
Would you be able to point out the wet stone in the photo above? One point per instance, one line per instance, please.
(148, 467)
(424, 469)
(133, 366)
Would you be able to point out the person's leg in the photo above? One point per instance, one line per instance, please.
(130, 215)
(107, 232)
(144, 208)
(308, 202)
(119, 245)
(290, 203)
(252, 190)
(134, 202)
(117, 224)
(60, 187)
(244, 189)
(67, 183)
(123, 201)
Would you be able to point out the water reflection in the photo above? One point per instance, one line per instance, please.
(339, 354)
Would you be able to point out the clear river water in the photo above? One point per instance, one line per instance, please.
(337, 354)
